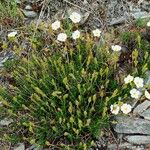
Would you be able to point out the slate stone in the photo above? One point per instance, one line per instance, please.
(33, 147)
(141, 14)
(116, 21)
(138, 139)
(28, 7)
(122, 146)
(30, 14)
(141, 107)
(146, 6)
(21, 146)
(5, 122)
(146, 114)
(18, 1)
(131, 125)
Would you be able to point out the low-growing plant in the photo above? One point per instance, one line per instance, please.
(9, 13)
(61, 98)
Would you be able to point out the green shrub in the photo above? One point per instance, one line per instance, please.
(63, 98)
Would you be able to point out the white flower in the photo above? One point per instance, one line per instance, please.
(96, 32)
(56, 25)
(62, 37)
(116, 48)
(126, 108)
(148, 24)
(76, 34)
(12, 34)
(139, 82)
(75, 17)
(135, 93)
(147, 94)
(114, 109)
(128, 79)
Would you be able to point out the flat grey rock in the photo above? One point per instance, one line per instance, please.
(20, 146)
(5, 122)
(33, 147)
(141, 14)
(130, 125)
(18, 1)
(141, 107)
(116, 21)
(135, 10)
(28, 7)
(146, 114)
(30, 14)
(138, 139)
(146, 6)
(122, 146)
(125, 146)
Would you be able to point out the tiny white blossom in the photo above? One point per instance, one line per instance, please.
(62, 37)
(12, 34)
(128, 79)
(126, 108)
(116, 48)
(148, 24)
(56, 25)
(139, 82)
(96, 32)
(135, 93)
(114, 109)
(75, 17)
(147, 94)
(76, 34)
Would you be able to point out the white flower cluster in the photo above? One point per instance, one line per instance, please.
(125, 108)
(75, 18)
(135, 93)
(139, 83)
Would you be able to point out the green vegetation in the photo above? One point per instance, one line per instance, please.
(9, 13)
(61, 92)
(64, 96)
(141, 22)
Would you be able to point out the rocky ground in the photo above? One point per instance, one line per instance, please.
(127, 133)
